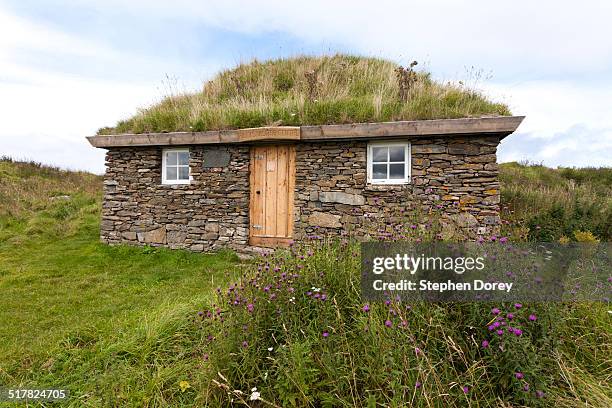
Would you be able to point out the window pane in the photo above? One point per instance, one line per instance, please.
(171, 158)
(379, 154)
(171, 173)
(183, 158)
(183, 173)
(396, 153)
(379, 171)
(396, 171)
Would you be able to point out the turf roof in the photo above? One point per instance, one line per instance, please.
(307, 90)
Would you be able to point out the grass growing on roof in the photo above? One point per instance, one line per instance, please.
(309, 90)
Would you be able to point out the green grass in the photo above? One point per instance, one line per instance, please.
(544, 204)
(109, 323)
(118, 325)
(307, 90)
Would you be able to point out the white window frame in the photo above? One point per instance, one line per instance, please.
(407, 163)
(172, 182)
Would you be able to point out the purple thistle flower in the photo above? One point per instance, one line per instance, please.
(519, 375)
(466, 389)
(388, 323)
(417, 351)
(518, 332)
(510, 316)
(495, 311)
(250, 307)
(245, 344)
(526, 387)
(540, 394)
(500, 332)
(532, 318)
(417, 385)
(518, 305)
(326, 334)
(485, 344)
(366, 308)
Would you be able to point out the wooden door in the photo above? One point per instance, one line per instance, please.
(272, 191)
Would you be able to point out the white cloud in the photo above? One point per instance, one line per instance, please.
(558, 59)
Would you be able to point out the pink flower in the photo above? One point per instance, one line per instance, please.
(388, 323)
(366, 308)
(466, 389)
(250, 307)
(532, 318)
(485, 344)
(326, 334)
(519, 375)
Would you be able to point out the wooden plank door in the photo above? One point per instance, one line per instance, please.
(272, 191)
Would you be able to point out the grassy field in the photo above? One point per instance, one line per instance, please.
(104, 320)
(308, 90)
(118, 326)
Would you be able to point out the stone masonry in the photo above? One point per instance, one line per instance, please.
(457, 174)
(208, 214)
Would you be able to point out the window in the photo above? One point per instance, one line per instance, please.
(175, 166)
(389, 163)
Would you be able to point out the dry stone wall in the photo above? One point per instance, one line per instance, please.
(456, 176)
(459, 175)
(209, 213)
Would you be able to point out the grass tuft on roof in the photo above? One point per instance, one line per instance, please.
(307, 90)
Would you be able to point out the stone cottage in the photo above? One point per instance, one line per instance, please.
(268, 186)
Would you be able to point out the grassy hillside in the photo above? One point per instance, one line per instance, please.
(76, 313)
(119, 326)
(543, 204)
(310, 91)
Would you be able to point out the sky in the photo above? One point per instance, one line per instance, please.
(69, 67)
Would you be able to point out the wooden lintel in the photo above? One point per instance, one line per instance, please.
(501, 126)
(269, 133)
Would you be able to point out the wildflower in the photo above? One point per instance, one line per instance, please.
(270, 348)
(532, 318)
(518, 332)
(388, 323)
(503, 240)
(510, 316)
(518, 305)
(485, 344)
(325, 334)
(417, 385)
(466, 389)
(184, 385)
(366, 308)
(417, 351)
(500, 332)
(206, 356)
(255, 395)
(519, 375)
(245, 344)
(495, 311)
(526, 387)
(540, 394)
(250, 307)
(323, 296)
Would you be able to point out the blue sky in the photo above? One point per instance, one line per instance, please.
(69, 67)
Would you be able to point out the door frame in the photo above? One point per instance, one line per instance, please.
(268, 240)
